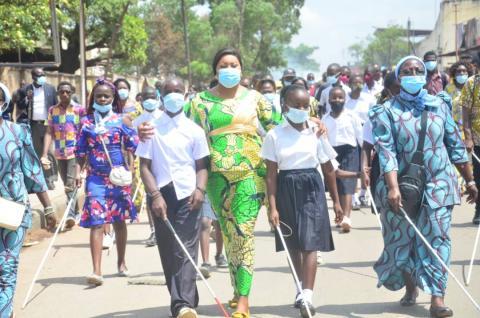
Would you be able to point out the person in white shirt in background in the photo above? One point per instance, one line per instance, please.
(268, 89)
(151, 112)
(173, 166)
(333, 80)
(344, 130)
(359, 102)
(373, 81)
(296, 194)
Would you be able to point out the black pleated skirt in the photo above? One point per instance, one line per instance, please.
(302, 205)
(348, 157)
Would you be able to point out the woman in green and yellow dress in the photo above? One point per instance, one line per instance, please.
(230, 115)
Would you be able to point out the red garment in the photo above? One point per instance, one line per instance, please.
(312, 90)
(434, 84)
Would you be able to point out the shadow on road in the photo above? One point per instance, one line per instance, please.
(363, 310)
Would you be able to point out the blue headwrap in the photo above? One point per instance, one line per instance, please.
(422, 99)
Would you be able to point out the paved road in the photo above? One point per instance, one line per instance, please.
(345, 286)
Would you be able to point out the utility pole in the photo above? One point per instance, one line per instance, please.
(83, 69)
(409, 27)
(185, 39)
(455, 4)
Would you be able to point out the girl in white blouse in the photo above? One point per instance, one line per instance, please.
(296, 194)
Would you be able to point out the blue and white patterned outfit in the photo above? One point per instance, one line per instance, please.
(20, 174)
(396, 130)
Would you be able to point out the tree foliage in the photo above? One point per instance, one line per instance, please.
(385, 47)
(300, 58)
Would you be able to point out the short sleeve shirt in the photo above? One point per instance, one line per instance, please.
(470, 99)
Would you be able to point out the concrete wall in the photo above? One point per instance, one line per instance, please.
(442, 39)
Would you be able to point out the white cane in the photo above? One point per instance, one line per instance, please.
(372, 202)
(179, 241)
(475, 246)
(137, 188)
(62, 221)
(434, 253)
(474, 252)
(292, 268)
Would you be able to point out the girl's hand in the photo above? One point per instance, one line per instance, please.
(337, 209)
(395, 199)
(145, 131)
(472, 193)
(274, 217)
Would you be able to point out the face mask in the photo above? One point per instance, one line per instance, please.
(344, 79)
(332, 79)
(229, 77)
(123, 93)
(431, 65)
(357, 87)
(174, 102)
(41, 80)
(461, 79)
(412, 84)
(102, 108)
(297, 116)
(337, 106)
(310, 83)
(150, 104)
(287, 83)
(269, 96)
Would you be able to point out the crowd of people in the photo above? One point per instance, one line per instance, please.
(212, 159)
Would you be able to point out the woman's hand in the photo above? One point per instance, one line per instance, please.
(395, 199)
(365, 177)
(274, 217)
(46, 164)
(145, 131)
(159, 207)
(337, 209)
(472, 193)
(196, 200)
(469, 144)
(50, 218)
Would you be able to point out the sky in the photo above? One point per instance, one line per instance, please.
(335, 25)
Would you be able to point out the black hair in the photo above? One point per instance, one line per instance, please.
(453, 69)
(265, 80)
(213, 83)
(289, 90)
(34, 69)
(336, 88)
(221, 53)
(65, 83)
(305, 84)
(353, 76)
(429, 53)
(390, 79)
(119, 80)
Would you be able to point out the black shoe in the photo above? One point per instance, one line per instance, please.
(303, 309)
(476, 217)
(440, 312)
(298, 301)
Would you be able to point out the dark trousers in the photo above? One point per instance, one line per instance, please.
(476, 174)
(179, 273)
(38, 130)
(67, 171)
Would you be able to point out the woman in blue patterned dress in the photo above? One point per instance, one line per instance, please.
(405, 260)
(105, 203)
(20, 174)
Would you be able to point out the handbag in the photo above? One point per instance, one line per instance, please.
(412, 180)
(119, 176)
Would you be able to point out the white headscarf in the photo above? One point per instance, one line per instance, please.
(8, 97)
(403, 60)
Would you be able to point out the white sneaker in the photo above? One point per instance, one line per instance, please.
(346, 224)
(108, 240)
(186, 312)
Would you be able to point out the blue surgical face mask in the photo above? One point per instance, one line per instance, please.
(174, 102)
(229, 77)
(332, 79)
(461, 79)
(123, 93)
(41, 80)
(287, 83)
(102, 108)
(297, 116)
(413, 84)
(431, 65)
(150, 104)
(270, 97)
(311, 82)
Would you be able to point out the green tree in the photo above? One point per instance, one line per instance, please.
(384, 47)
(300, 57)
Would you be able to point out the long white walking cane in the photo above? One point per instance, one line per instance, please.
(62, 221)
(434, 253)
(474, 252)
(179, 241)
(476, 157)
(292, 268)
(372, 202)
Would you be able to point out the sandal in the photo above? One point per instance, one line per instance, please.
(440, 312)
(233, 303)
(409, 300)
(238, 314)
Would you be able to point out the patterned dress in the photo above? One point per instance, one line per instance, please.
(20, 174)
(236, 186)
(105, 202)
(454, 93)
(396, 128)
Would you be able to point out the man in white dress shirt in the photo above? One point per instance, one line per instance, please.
(333, 80)
(173, 167)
